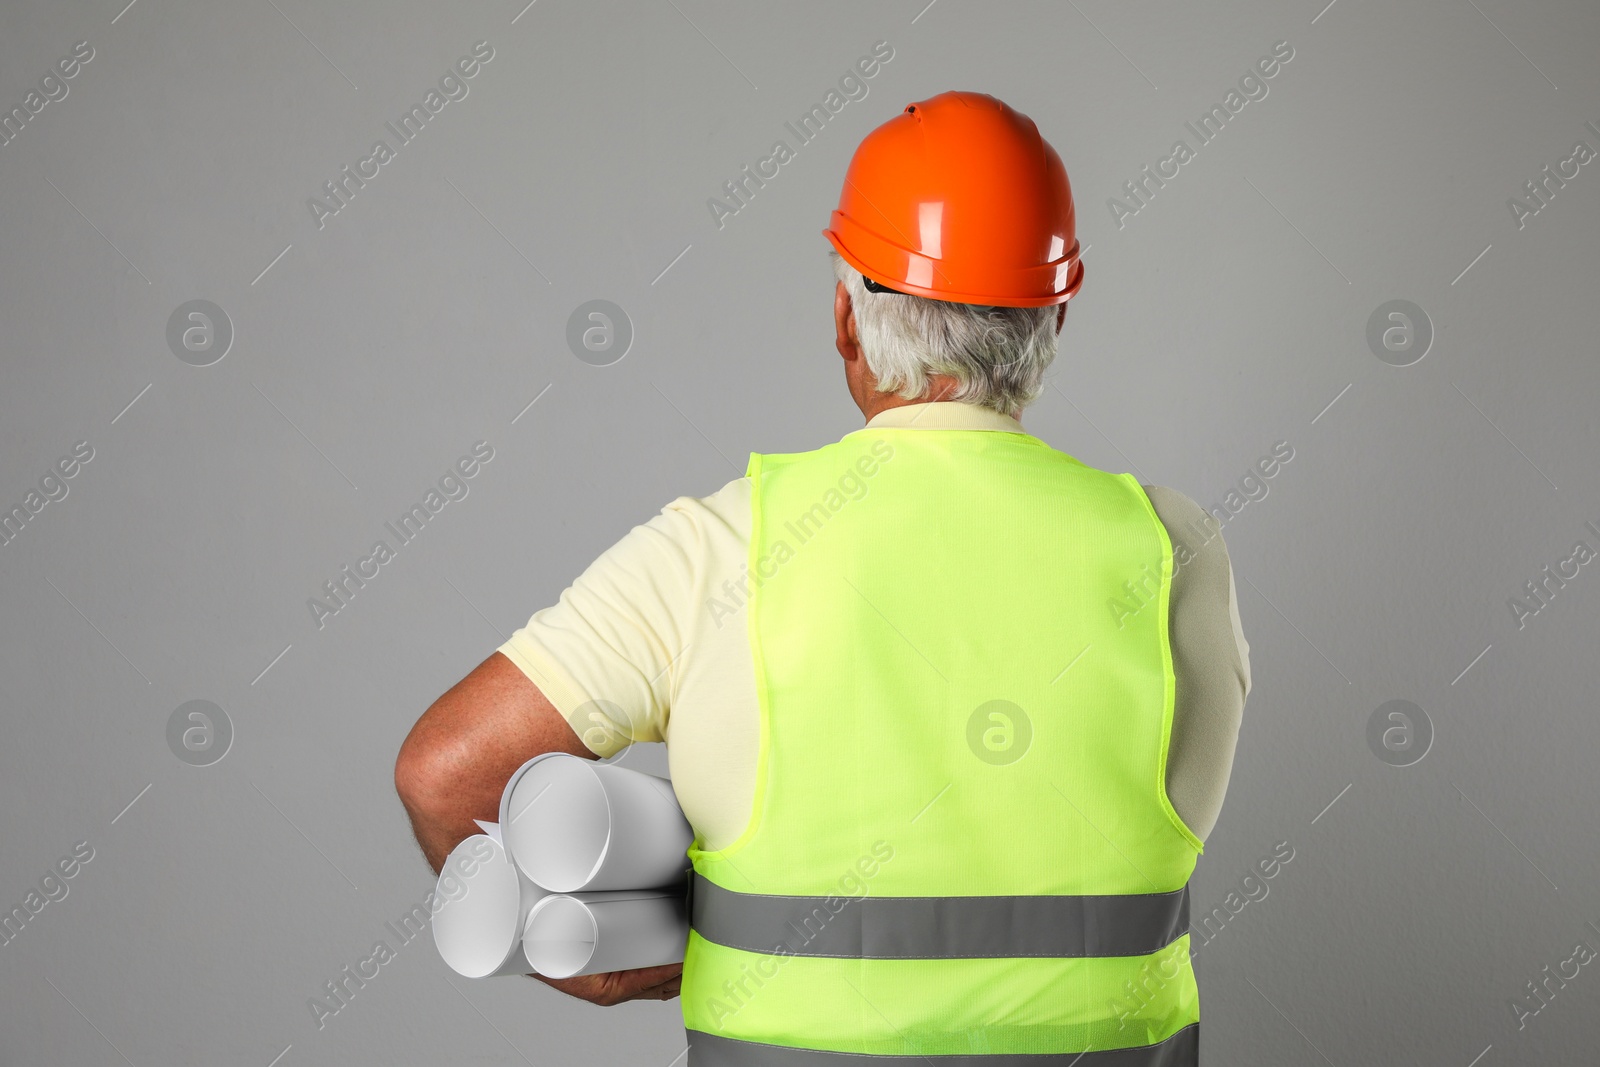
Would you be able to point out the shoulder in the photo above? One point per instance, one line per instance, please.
(1195, 533)
(1173, 507)
(727, 507)
(695, 529)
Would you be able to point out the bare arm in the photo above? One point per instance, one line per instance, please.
(453, 766)
(457, 758)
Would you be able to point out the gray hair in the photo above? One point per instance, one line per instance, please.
(997, 355)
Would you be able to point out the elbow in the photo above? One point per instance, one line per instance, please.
(422, 771)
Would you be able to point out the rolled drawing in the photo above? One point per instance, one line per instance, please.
(590, 933)
(573, 825)
(526, 797)
(486, 901)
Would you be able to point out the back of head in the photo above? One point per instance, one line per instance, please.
(997, 355)
(955, 235)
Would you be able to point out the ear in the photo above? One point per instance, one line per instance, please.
(844, 324)
(1061, 317)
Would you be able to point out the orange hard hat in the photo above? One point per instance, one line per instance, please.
(959, 198)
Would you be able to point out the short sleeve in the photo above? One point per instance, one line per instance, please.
(604, 653)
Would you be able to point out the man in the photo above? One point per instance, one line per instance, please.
(949, 711)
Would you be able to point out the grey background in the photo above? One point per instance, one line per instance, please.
(1227, 315)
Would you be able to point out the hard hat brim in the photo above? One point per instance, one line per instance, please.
(1067, 272)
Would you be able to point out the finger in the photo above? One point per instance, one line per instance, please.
(641, 980)
(650, 976)
(615, 987)
(660, 991)
(590, 987)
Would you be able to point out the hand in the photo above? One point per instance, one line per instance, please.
(615, 987)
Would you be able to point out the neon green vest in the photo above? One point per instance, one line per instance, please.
(961, 843)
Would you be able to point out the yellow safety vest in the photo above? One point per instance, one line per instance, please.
(961, 847)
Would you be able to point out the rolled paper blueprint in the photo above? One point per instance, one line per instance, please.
(527, 797)
(591, 933)
(573, 825)
(478, 930)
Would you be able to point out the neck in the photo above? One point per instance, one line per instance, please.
(872, 401)
(939, 389)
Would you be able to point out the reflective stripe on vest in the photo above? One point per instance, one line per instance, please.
(1182, 1049)
(960, 845)
(927, 928)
